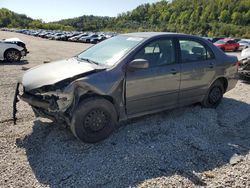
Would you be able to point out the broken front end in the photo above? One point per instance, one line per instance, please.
(244, 68)
(48, 101)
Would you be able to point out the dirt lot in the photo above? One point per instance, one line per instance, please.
(187, 147)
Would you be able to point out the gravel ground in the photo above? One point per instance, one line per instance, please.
(186, 147)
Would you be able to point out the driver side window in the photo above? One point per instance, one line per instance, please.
(157, 53)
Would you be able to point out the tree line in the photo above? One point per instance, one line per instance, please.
(11, 19)
(200, 17)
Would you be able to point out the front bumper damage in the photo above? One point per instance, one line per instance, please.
(15, 101)
(54, 106)
(24, 52)
(244, 67)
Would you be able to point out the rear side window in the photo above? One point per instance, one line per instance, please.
(192, 51)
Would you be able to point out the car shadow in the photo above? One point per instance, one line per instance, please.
(21, 62)
(187, 141)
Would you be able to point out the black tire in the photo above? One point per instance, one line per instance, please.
(236, 49)
(12, 55)
(93, 120)
(214, 95)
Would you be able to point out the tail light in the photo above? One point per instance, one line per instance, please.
(238, 63)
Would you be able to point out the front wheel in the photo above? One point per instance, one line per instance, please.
(214, 95)
(12, 55)
(94, 120)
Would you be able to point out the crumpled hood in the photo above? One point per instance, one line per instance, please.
(51, 73)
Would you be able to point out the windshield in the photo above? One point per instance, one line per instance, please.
(220, 42)
(110, 51)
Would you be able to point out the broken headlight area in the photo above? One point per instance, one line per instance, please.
(49, 104)
(52, 101)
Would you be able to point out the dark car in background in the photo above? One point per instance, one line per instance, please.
(88, 38)
(77, 37)
(74, 36)
(99, 38)
(227, 45)
(127, 76)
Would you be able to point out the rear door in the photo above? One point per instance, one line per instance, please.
(197, 70)
(156, 87)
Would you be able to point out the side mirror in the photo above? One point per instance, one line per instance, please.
(138, 64)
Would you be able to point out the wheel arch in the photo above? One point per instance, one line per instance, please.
(223, 80)
(8, 49)
(90, 95)
(87, 104)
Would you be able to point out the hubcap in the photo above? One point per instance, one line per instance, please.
(215, 95)
(96, 120)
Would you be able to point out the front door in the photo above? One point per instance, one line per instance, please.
(156, 87)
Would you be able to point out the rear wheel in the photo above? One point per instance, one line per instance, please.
(214, 95)
(94, 120)
(12, 55)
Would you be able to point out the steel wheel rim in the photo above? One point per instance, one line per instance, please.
(215, 95)
(96, 120)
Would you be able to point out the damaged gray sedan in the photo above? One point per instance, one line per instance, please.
(127, 76)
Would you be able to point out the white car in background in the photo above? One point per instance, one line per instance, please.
(244, 66)
(245, 53)
(244, 43)
(12, 49)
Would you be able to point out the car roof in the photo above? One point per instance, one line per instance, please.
(153, 34)
(244, 40)
(228, 39)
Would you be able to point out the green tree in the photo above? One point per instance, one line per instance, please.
(237, 17)
(198, 17)
(225, 16)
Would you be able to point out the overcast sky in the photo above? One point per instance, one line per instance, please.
(53, 10)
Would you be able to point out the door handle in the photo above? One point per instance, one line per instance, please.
(173, 71)
(211, 65)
